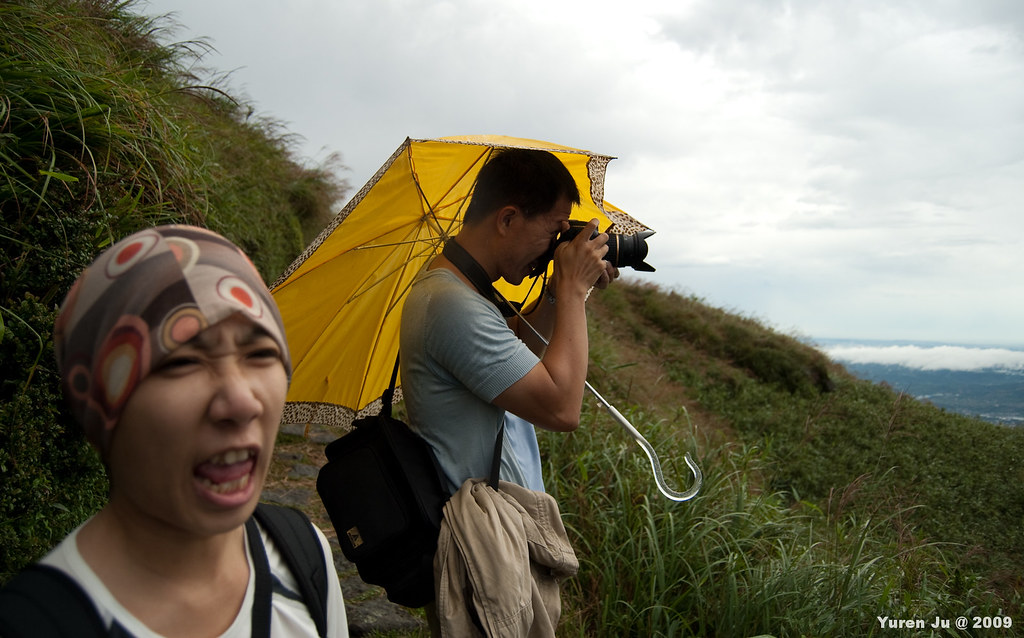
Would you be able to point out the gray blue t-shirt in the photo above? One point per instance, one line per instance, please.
(458, 354)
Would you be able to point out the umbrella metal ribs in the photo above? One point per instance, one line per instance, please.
(659, 477)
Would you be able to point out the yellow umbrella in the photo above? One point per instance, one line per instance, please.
(341, 299)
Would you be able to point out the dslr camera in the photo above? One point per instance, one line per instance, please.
(623, 250)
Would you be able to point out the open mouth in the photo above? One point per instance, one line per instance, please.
(228, 472)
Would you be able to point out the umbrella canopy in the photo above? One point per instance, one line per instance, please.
(341, 300)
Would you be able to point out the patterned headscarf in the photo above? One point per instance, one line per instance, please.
(139, 300)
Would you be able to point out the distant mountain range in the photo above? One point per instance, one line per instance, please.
(980, 381)
(995, 395)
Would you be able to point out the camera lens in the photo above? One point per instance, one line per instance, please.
(623, 250)
(629, 250)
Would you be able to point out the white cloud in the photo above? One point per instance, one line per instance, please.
(930, 358)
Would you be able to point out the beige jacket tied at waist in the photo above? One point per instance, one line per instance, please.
(502, 554)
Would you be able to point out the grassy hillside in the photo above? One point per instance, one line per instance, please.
(103, 131)
(828, 501)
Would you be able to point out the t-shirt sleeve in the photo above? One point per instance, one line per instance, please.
(470, 339)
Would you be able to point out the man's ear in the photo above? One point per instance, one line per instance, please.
(505, 219)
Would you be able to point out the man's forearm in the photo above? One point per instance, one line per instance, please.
(568, 355)
(540, 315)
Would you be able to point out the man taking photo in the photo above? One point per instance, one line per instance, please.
(463, 363)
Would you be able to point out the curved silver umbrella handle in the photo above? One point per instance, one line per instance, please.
(659, 477)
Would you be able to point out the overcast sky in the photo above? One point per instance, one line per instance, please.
(833, 169)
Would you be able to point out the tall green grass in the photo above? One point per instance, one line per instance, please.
(739, 559)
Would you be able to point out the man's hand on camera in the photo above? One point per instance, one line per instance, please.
(580, 263)
(610, 274)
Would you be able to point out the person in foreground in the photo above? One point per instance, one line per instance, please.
(464, 365)
(174, 361)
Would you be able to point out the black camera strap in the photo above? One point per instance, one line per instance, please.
(476, 274)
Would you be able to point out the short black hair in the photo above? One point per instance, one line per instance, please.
(531, 180)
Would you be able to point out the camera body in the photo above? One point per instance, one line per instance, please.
(623, 250)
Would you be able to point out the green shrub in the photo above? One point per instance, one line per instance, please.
(52, 480)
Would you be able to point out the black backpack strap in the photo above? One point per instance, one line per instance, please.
(388, 397)
(492, 480)
(44, 601)
(263, 589)
(295, 538)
